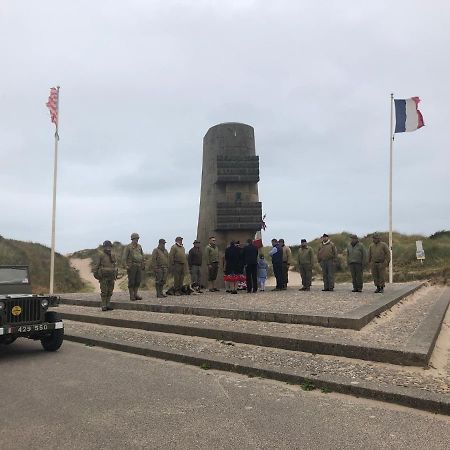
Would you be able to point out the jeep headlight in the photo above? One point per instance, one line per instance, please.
(44, 303)
(2, 306)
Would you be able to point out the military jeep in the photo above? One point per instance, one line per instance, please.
(23, 314)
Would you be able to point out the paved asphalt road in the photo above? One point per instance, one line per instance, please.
(86, 397)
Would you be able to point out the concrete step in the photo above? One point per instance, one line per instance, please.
(338, 309)
(401, 385)
(425, 312)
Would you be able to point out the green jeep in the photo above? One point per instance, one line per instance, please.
(23, 314)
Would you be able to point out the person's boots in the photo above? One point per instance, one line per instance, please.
(161, 291)
(378, 290)
(136, 296)
(104, 303)
(381, 289)
(132, 297)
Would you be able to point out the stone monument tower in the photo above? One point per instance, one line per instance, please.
(229, 206)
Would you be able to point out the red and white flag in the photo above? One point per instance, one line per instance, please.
(52, 105)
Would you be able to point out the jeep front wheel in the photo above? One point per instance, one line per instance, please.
(52, 342)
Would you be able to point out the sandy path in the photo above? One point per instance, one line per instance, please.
(84, 268)
(294, 279)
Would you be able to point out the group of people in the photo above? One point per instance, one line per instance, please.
(241, 264)
(378, 257)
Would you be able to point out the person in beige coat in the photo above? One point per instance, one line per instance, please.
(178, 264)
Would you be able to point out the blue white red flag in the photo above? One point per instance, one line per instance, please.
(407, 115)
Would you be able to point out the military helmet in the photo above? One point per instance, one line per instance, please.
(134, 236)
(107, 244)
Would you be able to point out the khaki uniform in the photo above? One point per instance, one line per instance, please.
(305, 259)
(135, 263)
(195, 258)
(212, 261)
(379, 259)
(106, 272)
(160, 265)
(178, 265)
(356, 260)
(287, 259)
(327, 256)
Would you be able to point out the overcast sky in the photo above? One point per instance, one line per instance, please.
(142, 82)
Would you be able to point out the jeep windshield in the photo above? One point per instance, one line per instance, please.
(10, 275)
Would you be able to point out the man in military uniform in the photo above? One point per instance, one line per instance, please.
(356, 260)
(106, 272)
(327, 258)
(287, 257)
(160, 265)
(178, 264)
(305, 259)
(195, 259)
(379, 259)
(135, 264)
(212, 262)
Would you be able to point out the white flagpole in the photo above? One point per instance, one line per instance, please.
(55, 171)
(391, 141)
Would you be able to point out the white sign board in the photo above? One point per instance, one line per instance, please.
(420, 252)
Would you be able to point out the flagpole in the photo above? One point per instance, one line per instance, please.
(391, 141)
(55, 172)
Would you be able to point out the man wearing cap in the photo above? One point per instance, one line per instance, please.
(379, 259)
(160, 265)
(178, 264)
(356, 260)
(305, 259)
(195, 259)
(327, 258)
(212, 262)
(106, 272)
(135, 264)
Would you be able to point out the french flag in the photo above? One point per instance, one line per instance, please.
(407, 116)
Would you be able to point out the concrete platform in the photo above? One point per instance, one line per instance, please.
(338, 309)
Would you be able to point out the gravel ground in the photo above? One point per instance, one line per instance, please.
(391, 330)
(353, 371)
(336, 303)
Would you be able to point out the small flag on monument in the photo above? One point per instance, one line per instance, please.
(52, 105)
(407, 115)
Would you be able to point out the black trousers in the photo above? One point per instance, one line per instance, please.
(252, 281)
(278, 272)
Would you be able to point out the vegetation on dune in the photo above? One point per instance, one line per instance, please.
(37, 256)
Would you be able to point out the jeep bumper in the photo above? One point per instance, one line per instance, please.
(29, 329)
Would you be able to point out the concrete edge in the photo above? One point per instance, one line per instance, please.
(314, 346)
(410, 397)
(425, 336)
(363, 315)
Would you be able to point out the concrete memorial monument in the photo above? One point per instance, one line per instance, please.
(229, 203)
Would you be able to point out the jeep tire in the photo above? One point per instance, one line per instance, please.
(52, 342)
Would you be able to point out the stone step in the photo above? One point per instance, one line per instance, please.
(419, 316)
(338, 309)
(402, 385)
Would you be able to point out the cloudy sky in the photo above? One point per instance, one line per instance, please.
(142, 82)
